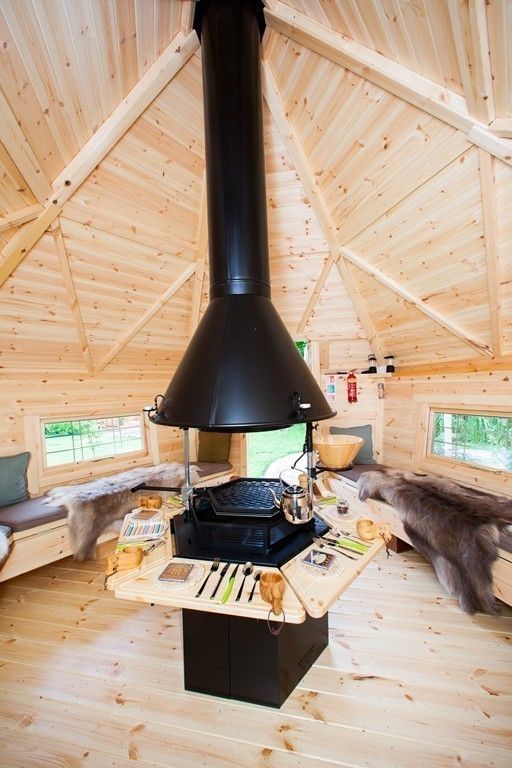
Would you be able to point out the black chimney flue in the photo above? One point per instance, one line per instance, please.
(241, 371)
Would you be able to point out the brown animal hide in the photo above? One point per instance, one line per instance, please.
(456, 528)
(94, 507)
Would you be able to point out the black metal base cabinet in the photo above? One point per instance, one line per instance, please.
(239, 658)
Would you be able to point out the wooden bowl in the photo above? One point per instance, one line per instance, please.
(338, 451)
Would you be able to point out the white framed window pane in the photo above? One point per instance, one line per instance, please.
(483, 440)
(81, 440)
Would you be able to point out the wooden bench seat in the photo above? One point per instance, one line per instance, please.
(344, 484)
(39, 531)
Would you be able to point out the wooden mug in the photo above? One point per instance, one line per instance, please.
(272, 586)
(149, 502)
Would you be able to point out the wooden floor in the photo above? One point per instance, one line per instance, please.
(407, 680)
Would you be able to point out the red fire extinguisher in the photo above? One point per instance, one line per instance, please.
(352, 387)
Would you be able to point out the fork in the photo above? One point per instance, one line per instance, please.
(214, 567)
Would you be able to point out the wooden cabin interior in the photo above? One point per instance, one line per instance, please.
(387, 129)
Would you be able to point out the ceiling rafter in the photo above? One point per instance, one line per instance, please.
(469, 27)
(389, 75)
(21, 154)
(202, 250)
(161, 72)
(296, 151)
(17, 218)
(147, 316)
(491, 229)
(393, 285)
(62, 255)
(317, 290)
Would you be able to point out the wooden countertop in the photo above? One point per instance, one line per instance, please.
(309, 589)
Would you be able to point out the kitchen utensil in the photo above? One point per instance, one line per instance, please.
(248, 569)
(227, 591)
(222, 574)
(333, 545)
(256, 577)
(214, 567)
(296, 502)
(272, 586)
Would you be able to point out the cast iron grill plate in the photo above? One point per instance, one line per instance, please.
(248, 496)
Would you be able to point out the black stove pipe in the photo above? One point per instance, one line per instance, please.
(241, 371)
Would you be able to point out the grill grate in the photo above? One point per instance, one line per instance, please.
(249, 496)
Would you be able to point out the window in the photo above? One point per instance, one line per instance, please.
(80, 440)
(482, 440)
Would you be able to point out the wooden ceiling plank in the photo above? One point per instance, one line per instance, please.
(16, 144)
(17, 218)
(392, 77)
(187, 11)
(404, 293)
(491, 229)
(76, 172)
(317, 290)
(69, 284)
(201, 252)
(314, 194)
(147, 316)
(469, 27)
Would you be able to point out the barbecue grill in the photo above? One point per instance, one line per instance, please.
(238, 521)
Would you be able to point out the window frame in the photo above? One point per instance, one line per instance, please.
(128, 454)
(41, 477)
(488, 478)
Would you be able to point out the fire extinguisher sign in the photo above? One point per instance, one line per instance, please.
(330, 388)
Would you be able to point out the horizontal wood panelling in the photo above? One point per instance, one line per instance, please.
(70, 395)
(504, 211)
(402, 412)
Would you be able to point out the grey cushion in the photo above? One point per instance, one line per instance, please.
(31, 513)
(365, 453)
(13, 478)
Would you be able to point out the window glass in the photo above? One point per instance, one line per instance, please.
(70, 442)
(481, 440)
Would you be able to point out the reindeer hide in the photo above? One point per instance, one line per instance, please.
(456, 528)
(94, 507)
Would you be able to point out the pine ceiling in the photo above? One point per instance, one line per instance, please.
(388, 136)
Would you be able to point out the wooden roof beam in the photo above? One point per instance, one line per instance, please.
(318, 204)
(161, 72)
(17, 218)
(147, 316)
(423, 306)
(492, 254)
(389, 75)
(202, 250)
(317, 290)
(62, 255)
(469, 27)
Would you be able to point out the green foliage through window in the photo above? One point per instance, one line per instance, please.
(70, 442)
(481, 440)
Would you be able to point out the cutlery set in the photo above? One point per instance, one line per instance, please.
(247, 571)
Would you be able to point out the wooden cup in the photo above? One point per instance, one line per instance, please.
(272, 586)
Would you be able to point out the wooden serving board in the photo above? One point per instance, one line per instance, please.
(316, 591)
(145, 587)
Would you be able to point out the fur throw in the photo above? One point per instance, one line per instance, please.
(456, 528)
(94, 507)
(4, 547)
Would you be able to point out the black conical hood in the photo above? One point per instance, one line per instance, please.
(241, 371)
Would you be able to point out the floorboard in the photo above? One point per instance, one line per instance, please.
(88, 681)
